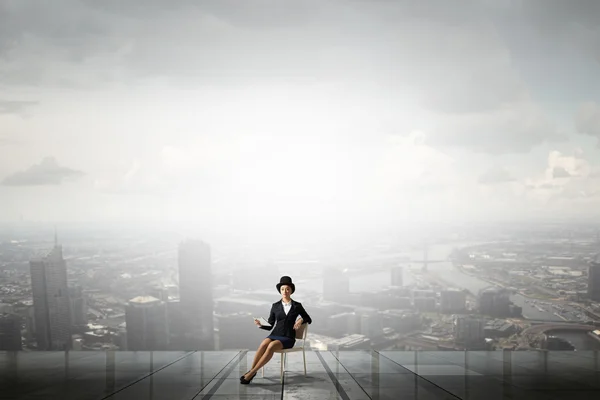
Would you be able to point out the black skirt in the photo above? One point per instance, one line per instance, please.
(287, 342)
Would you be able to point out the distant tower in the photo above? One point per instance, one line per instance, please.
(146, 324)
(195, 293)
(594, 279)
(52, 311)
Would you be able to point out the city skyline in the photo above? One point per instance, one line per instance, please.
(493, 288)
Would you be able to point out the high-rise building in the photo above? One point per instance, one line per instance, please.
(594, 279)
(344, 323)
(78, 307)
(10, 332)
(27, 314)
(195, 293)
(146, 324)
(51, 301)
(452, 300)
(469, 331)
(397, 276)
(494, 302)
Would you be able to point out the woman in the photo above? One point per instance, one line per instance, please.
(290, 315)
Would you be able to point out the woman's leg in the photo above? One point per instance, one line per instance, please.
(271, 348)
(261, 350)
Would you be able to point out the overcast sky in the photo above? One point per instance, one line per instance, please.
(294, 114)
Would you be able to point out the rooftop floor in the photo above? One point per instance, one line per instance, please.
(331, 375)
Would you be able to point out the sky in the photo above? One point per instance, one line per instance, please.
(284, 115)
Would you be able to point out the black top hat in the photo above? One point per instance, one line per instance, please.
(286, 280)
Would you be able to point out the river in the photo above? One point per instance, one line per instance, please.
(453, 276)
(581, 340)
(445, 271)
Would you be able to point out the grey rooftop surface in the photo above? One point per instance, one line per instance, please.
(384, 375)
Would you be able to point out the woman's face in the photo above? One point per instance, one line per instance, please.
(286, 291)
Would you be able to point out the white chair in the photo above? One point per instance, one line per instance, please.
(301, 334)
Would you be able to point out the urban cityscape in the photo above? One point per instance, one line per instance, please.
(422, 176)
(492, 288)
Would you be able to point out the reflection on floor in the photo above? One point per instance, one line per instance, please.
(331, 375)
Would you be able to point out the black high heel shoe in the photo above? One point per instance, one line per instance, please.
(243, 380)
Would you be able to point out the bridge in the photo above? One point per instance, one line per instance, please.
(427, 261)
(543, 328)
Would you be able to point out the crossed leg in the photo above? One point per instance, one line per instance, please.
(267, 354)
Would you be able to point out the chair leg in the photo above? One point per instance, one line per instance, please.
(304, 357)
(282, 361)
(262, 370)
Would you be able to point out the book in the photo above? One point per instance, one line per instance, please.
(262, 321)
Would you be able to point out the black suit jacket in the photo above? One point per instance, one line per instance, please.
(285, 322)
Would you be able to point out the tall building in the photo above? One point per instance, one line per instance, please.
(397, 276)
(177, 325)
(146, 324)
(494, 302)
(52, 311)
(594, 279)
(195, 294)
(452, 300)
(10, 332)
(469, 331)
(78, 307)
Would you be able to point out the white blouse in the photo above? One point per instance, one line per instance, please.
(287, 307)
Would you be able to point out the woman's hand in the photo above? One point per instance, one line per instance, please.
(298, 323)
(257, 322)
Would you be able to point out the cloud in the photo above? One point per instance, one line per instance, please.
(456, 66)
(587, 119)
(47, 172)
(566, 166)
(6, 140)
(560, 172)
(515, 129)
(568, 181)
(134, 180)
(15, 107)
(594, 173)
(495, 175)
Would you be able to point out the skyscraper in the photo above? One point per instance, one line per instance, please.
(146, 324)
(452, 300)
(51, 301)
(594, 279)
(10, 332)
(78, 307)
(195, 293)
(469, 331)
